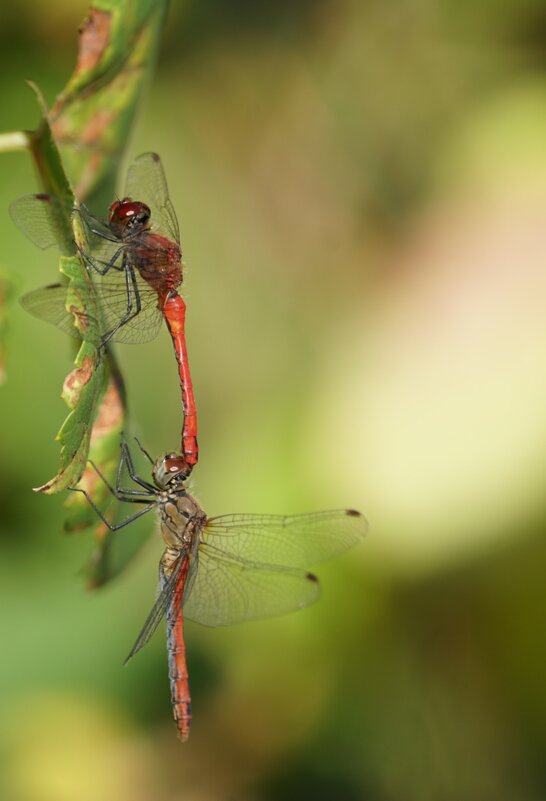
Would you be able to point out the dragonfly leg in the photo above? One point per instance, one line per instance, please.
(103, 235)
(99, 227)
(132, 294)
(115, 526)
(127, 459)
(144, 451)
(119, 492)
(106, 266)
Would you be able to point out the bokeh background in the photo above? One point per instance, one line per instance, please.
(361, 188)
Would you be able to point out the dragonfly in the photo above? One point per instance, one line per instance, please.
(222, 570)
(135, 261)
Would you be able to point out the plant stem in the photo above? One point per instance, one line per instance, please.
(15, 140)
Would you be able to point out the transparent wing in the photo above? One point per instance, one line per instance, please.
(49, 304)
(249, 567)
(42, 219)
(293, 541)
(227, 591)
(160, 607)
(146, 182)
(113, 301)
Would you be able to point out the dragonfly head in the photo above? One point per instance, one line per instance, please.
(128, 217)
(171, 470)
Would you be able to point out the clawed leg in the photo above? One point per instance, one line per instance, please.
(127, 459)
(133, 295)
(95, 225)
(144, 451)
(122, 493)
(116, 526)
(119, 492)
(105, 266)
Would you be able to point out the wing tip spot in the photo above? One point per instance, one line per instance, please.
(353, 513)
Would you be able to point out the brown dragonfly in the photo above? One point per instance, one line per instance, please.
(222, 570)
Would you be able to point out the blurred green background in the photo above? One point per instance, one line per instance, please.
(361, 188)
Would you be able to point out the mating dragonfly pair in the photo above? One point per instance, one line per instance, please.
(215, 570)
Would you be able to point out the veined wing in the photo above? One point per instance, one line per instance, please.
(50, 304)
(43, 219)
(113, 292)
(46, 221)
(146, 182)
(226, 590)
(159, 609)
(290, 541)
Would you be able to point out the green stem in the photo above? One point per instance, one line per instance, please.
(15, 140)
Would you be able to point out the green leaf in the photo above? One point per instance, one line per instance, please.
(53, 179)
(84, 386)
(92, 118)
(105, 451)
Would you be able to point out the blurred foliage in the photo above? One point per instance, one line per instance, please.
(8, 284)
(92, 117)
(361, 193)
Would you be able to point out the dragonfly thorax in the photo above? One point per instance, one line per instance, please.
(128, 217)
(182, 519)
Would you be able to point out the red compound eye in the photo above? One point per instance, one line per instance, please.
(127, 215)
(172, 467)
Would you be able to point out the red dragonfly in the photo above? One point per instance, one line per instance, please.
(136, 264)
(222, 570)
